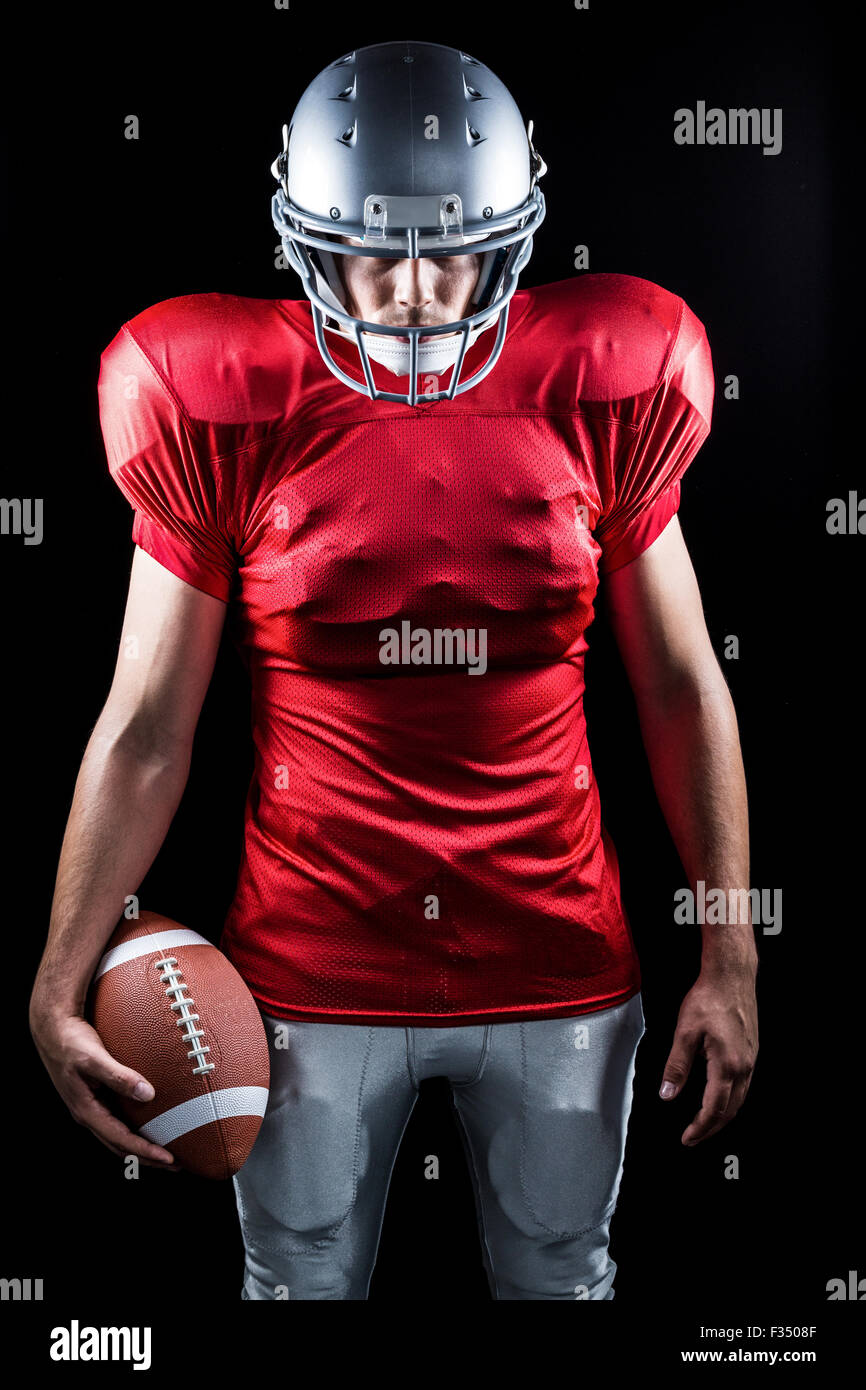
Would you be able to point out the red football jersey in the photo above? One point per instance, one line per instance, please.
(410, 588)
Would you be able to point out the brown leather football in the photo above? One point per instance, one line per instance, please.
(168, 1003)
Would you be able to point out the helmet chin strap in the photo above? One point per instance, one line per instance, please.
(434, 356)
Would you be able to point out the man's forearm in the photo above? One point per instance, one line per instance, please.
(692, 743)
(126, 794)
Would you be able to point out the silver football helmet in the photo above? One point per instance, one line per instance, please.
(413, 149)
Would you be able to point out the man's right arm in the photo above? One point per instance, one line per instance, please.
(130, 783)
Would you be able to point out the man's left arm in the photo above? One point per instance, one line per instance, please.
(690, 734)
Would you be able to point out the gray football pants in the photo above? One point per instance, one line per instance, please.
(543, 1110)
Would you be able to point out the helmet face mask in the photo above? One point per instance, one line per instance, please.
(337, 163)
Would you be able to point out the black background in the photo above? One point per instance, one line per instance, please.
(98, 228)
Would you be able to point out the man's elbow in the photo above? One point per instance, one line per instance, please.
(140, 736)
(691, 688)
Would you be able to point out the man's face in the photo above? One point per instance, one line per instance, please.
(402, 292)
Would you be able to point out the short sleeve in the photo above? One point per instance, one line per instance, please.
(650, 465)
(154, 459)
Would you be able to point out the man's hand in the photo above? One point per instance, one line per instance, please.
(78, 1064)
(719, 1015)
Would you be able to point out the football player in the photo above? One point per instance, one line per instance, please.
(406, 490)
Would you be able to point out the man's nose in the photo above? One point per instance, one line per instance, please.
(414, 284)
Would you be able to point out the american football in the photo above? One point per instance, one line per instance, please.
(167, 1002)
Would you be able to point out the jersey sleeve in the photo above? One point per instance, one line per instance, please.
(645, 490)
(154, 458)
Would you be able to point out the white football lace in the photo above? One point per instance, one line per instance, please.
(186, 1017)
